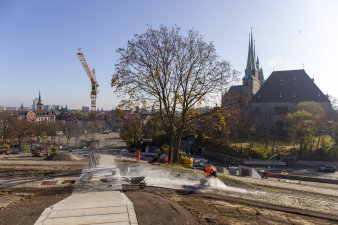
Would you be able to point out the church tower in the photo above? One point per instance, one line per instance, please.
(253, 78)
(39, 104)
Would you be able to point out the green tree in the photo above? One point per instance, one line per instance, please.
(173, 73)
(320, 120)
(311, 107)
(301, 128)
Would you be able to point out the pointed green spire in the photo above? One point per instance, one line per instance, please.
(257, 63)
(251, 63)
(248, 64)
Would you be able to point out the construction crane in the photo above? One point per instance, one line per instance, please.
(92, 159)
(92, 77)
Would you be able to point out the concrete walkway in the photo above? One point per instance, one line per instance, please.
(93, 201)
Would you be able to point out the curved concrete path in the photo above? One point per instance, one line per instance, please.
(93, 201)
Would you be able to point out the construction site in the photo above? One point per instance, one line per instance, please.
(186, 138)
(101, 182)
(63, 190)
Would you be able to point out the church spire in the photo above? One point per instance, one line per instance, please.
(248, 64)
(253, 53)
(251, 63)
(257, 63)
(39, 101)
(39, 104)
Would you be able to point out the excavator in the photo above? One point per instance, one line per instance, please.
(184, 160)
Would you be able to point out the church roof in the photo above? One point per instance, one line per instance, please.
(289, 86)
(236, 88)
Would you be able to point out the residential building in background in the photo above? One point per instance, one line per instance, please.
(35, 101)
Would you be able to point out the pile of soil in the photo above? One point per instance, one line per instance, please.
(62, 157)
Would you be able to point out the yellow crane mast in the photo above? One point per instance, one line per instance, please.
(92, 160)
(92, 77)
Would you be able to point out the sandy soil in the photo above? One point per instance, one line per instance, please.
(166, 206)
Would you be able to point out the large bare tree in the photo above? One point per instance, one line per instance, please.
(173, 73)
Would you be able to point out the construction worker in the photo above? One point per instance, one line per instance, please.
(138, 156)
(210, 171)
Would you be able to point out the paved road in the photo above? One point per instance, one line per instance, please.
(93, 201)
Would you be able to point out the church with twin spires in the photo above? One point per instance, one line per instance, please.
(280, 92)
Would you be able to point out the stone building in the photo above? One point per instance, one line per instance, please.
(280, 92)
(283, 90)
(45, 115)
(254, 77)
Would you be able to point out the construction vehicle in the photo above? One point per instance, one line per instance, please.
(92, 160)
(38, 150)
(184, 160)
(4, 149)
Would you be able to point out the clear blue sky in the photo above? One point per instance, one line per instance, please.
(39, 39)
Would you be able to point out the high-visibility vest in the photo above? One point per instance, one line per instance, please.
(209, 170)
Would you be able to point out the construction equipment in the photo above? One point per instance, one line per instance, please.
(39, 151)
(134, 182)
(92, 159)
(92, 77)
(184, 160)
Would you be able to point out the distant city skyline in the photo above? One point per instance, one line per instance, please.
(39, 40)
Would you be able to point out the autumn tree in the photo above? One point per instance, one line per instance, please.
(21, 129)
(42, 130)
(173, 73)
(131, 132)
(69, 131)
(78, 131)
(4, 125)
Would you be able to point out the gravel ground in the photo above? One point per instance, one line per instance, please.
(152, 207)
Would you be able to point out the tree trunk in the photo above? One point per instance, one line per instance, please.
(170, 153)
(19, 140)
(177, 143)
(318, 143)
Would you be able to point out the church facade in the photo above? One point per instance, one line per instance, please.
(280, 92)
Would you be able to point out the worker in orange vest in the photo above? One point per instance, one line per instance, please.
(210, 171)
(138, 156)
(165, 160)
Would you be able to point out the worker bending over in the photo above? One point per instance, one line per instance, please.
(210, 171)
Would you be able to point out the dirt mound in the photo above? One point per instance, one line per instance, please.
(62, 157)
